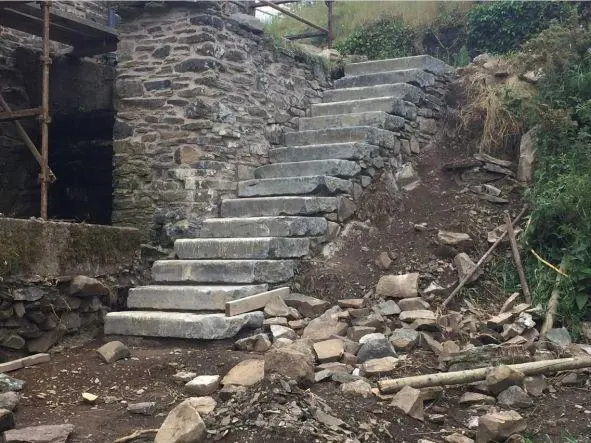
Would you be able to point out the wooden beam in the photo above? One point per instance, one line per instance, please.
(311, 34)
(253, 302)
(19, 114)
(24, 362)
(292, 15)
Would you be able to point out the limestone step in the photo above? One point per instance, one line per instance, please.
(331, 167)
(313, 184)
(222, 271)
(367, 134)
(180, 324)
(242, 248)
(379, 119)
(346, 151)
(254, 207)
(263, 227)
(414, 76)
(388, 105)
(424, 62)
(403, 91)
(189, 298)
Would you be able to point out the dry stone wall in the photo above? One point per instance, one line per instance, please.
(201, 95)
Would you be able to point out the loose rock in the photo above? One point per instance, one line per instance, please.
(82, 286)
(558, 339)
(398, 286)
(409, 401)
(8, 383)
(34, 434)
(458, 438)
(475, 398)
(457, 239)
(383, 261)
(276, 307)
(142, 408)
(306, 305)
(203, 385)
(412, 304)
(388, 307)
(245, 373)
(256, 343)
(9, 400)
(423, 314)
(375, 349)
(292, 363)
(329, 350)
(356, 332)
(498, 426)
(501, 377)
(182, 425)
(324, 327)
(379, 366)
(357, 388)
(535, 385)
(404, 339)
(514, 397)
(282, 332)
(113, 351)
(184, 376)
(464, 265)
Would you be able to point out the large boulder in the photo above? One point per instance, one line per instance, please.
(182, 425)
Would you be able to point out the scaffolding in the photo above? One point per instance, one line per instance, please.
(87, 39)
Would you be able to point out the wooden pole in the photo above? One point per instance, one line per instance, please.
(517, 258)
(292, 15)
(474, 375)
(481, 261)
(329, 24)
(46, 61)
(553, 303)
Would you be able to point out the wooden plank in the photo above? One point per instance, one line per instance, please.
(19, 114)
(253, 302)
(24, 362)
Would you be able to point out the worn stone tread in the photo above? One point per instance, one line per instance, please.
(346, 151)
(241, 248)
(330, 167)
(252, 207)
(413, 76)
(272, 226)
(313, 184)
(377, 118)
(402, 91)
(388, 105)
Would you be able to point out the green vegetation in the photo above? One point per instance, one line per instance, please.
(500, 27)
(560, 198)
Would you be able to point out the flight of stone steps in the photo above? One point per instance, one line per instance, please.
(290, 205)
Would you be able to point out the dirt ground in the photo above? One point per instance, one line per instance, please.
(52, 395)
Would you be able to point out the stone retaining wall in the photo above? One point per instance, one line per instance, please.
(201, 95)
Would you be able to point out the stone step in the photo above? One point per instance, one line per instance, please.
(414, 76)
(222, 271)
(263, 227)
(180, 324)
(403, 91)
(331, 167)
(189, 298)
(388, 105)
(424, 62)
(241, 248)
(314, 184)
(345, 151)
(378, 119)
(254, 207)
(370, 135)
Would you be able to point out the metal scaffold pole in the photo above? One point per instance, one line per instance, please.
(45, 61)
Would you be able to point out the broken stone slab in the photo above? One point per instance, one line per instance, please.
(388, 307)
(409, 401)
(354, 303)
(509, 303)
(328, 420)
(281, 321)
(398, 286)
(404, 339)
(298, 324)
(203, 385)
(497, 321)
(459, 240)
(278, 331)
(142, 408)
(457, 438)
(306, 305)
(421, 314)
(183, 424)
(379, 366)
(357, 388)
(276, 307)
(373, 336)
(292, 363)
(464, 265)
(329, 350)
(475, 398)
(184, 376)
(246, 373)
(9, 400)
(113, 351)
(374, 319)
(257, 343)
(429, 343)
(502, 377)
(498, 426)
(34, 434)
(412, 304)
(324, 327)
(514, 397)
(204, 405)
(375, 349)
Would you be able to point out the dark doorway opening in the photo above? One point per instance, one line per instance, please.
(81, 156)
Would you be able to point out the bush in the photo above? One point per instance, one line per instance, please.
(386, 38)
(501, 26)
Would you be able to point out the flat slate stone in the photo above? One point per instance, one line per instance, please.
(424, 62)
(417, 76)
(403, 91)
(241, 248)
(281, 226)
(40, 434)
(331, 167)
(346, 151)
(180, 324)
(316, 184)
(263, 206)
(388, 105)
(377, 118)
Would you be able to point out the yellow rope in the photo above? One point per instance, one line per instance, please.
(550, 265)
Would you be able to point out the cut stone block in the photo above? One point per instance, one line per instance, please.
(263, 227)
(377, 117)
(388, 105)
(331, 167)
(180, 324)
(254, 207)
(317, 185)
(424, 62)
(402, 91)
(346, 151)
(241, 248)
(368, 134)
(415, 76)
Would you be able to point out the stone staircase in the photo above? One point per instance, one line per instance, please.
(377, 115)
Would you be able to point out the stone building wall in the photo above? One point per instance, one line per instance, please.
(200, 96)
(20, 79)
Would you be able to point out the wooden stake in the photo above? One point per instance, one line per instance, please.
(517, 258)
(474, 375)
(481, 261)
(553, 302)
